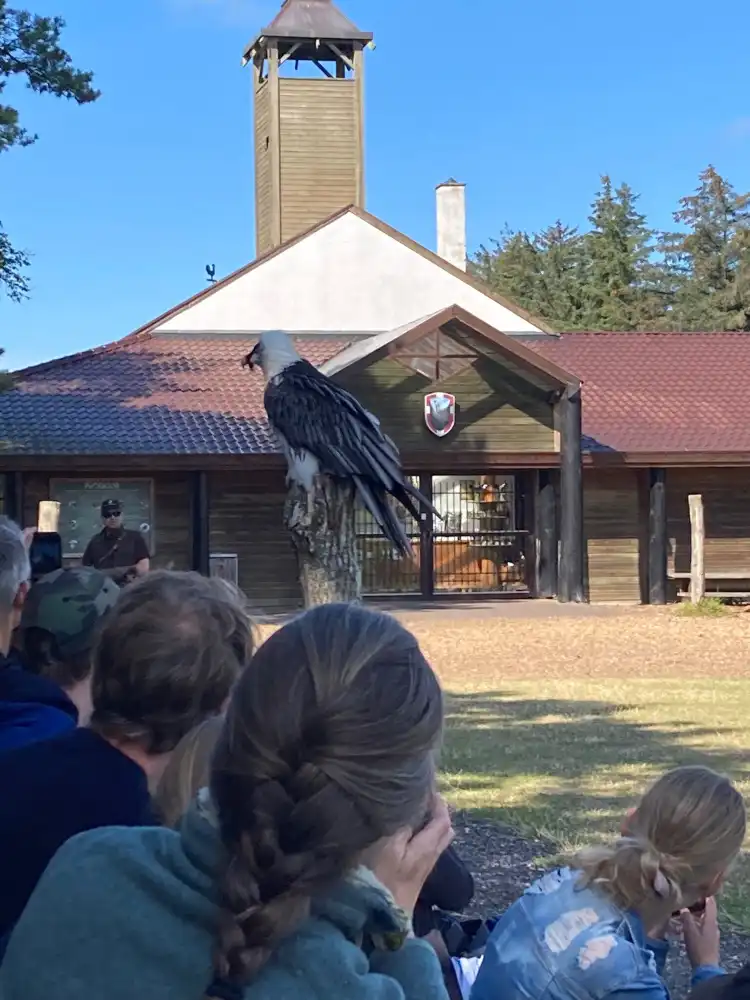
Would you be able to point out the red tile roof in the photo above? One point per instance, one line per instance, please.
(659, 392)
(147, 394)
(162, 394)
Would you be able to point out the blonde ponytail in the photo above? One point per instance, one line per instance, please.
(686, 831)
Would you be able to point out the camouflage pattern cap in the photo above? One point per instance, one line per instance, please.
(69, 603)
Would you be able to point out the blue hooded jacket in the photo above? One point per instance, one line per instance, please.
(32, 708)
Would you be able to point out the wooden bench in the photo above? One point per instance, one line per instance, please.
(683, 582)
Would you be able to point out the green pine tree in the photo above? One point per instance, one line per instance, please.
(562, 266)
(30, 50)
(709, 260)
(540, 272)
(623, 286)
(510, 266)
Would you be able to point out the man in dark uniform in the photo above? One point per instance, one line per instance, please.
(119, 552)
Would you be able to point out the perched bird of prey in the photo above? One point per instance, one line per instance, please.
(323, 430)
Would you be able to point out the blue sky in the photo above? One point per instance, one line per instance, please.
(123, 203)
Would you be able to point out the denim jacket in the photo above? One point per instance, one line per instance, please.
(562, 942)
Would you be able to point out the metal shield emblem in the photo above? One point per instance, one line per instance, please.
(440, 413)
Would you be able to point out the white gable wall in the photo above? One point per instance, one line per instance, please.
(346, 276)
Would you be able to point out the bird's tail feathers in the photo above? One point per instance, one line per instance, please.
(420, 498)
(387, 470)
(376, 502)
(400, 493)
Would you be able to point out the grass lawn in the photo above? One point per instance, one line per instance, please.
(556, 725)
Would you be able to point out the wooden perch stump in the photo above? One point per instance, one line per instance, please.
(324, 537)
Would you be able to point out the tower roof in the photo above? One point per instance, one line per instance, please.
(301, 19)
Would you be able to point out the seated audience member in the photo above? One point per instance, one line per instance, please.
(168, 656)
(449, 885)
(599, 927)
(61, 617)
(188, 771)
(295, 876)
(31, 708)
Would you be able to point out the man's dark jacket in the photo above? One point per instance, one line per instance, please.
(32, 708)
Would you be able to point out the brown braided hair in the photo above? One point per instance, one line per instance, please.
(328, 747)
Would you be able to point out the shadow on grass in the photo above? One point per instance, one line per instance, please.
(567, 771)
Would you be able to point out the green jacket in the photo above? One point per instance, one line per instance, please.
(130, 914)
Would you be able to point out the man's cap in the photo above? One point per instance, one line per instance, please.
(69, 604)
(111, 507)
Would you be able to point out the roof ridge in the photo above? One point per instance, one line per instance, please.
(360, 213)
(651, 333)
(148, 329)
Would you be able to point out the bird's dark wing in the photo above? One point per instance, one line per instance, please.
(315, 414)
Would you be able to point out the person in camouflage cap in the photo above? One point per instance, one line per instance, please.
(59, 622)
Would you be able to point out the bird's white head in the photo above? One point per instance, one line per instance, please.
(272, 354)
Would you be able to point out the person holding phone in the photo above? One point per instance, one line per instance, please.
(31, 707)
(119, 552)
(598, 928)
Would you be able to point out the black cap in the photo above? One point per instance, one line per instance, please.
(111, 508)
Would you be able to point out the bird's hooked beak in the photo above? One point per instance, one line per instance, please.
(253, 358)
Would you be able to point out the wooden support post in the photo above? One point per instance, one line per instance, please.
(359, 76)
(323, 533)
(274, 150)
(547, 533)
(200, 514)
(426, 542)
(571, 585)
(697, 539)
(14, 499)
(657, 537)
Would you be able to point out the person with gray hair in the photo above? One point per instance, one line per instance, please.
(32, 707)
(15, 577)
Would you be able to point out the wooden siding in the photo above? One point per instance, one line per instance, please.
(726, 503)
(246, 519)
(319, 150)
(495, 410)
(611, 502)
(172, 522)
(264, 135)
(173, 548)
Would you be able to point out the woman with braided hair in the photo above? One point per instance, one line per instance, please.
(598, 929)
(294, 876)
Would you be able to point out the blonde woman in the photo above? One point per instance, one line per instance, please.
(598, 928)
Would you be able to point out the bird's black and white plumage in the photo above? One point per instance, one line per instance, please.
(323, 430)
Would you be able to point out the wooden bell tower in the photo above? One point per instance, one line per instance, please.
(308, 76)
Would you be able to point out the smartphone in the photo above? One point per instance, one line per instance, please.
(696, 909)
(45, 553)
